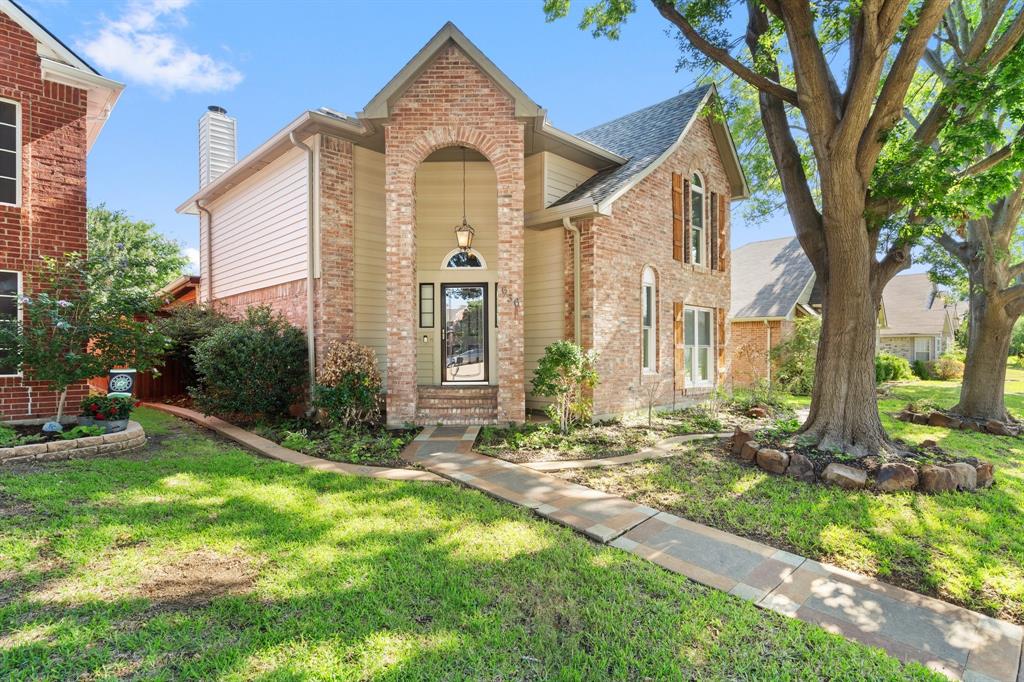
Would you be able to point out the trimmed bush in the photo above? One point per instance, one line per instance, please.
(349, 385)
(566, 372)
(250, 369)
(892, 368)
(947, 368)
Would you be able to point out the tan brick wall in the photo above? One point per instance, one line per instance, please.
(287, 300)
(749, 346)
(51, 218)
(335, 297)
(452, 103)
(615, 251)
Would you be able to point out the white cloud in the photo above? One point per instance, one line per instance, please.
(141, 47)
(193, 260)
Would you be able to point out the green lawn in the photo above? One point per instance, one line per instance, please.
(963, 547)
(196, 560)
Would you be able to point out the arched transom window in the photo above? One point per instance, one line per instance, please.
(463, 259)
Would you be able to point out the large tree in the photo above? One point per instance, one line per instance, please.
(846, 122)
(132, 251)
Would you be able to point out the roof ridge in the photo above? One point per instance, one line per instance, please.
(765, 241)
(685, 93)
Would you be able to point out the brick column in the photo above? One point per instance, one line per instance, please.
(335, 292)
(511, 381)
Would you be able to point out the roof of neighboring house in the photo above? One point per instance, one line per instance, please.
(914, 307)
(60, 64)
(769, 278)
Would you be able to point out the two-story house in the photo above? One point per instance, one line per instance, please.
(453, 229)
(52, 107)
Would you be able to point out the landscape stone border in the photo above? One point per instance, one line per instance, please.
(132, 438)
(891, 476)
(958, 423)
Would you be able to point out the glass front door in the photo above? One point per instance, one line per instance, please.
(464, 333)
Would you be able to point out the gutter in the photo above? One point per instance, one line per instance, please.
(310, 267)
(207, 270)
(577, 326)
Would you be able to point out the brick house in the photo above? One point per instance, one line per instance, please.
(52, 107)
(919, 321)
(617, 236)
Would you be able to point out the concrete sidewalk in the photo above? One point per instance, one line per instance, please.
(959, 643)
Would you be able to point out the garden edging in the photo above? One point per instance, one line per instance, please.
(132, 438)
(268, 448)
(659, 450)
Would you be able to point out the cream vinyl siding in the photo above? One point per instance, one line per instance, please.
(533, 191)
(544, 305)
(368, 254)
(561, 176)
(259, 228)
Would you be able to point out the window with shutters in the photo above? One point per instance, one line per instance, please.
(649, 321)
(10, 314)
(699, 341)
(697, 255)
(10, 152)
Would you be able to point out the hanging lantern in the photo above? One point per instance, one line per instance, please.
(464, 233)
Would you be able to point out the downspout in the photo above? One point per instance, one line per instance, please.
(207, 272)
(768, 359)
(310, 269)
(577, 326)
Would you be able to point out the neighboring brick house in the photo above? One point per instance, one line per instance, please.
(616, 236)
(52, 107)
(919, 321)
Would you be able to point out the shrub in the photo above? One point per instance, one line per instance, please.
(921, 370)
(696, 419)
(251, 368)
(565, 373)
(947, 368)
(892, 368)
(349, 385)
(795, 357)
(758, 395)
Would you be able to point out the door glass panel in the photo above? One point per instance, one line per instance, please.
(464, 347)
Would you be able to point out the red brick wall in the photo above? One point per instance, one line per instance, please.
(615, 251)
(749, 349)
(51, 218)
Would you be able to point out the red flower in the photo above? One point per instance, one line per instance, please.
(137, 403)
(100, 417)
(94, 406)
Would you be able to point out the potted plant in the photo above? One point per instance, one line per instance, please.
(110, 412)
(87, 408)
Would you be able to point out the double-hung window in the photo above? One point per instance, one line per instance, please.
(10, 157)
(10, 291)
(922, 348)
(698, 340)
(649, 321)
(697, 220)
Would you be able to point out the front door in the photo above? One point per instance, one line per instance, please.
(464, 333)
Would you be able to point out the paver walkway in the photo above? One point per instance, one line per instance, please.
(960, 643)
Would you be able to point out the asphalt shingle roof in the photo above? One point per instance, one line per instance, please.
(640, 137)
(768, 278)
(912, 306)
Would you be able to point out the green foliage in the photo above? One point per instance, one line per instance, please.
(8, 436)
(132, 251)
(795, 357)
(1017, 339)
(252, 368)
(761, 394)
(892, 368)
(348, 390)
(353, 444)
(947, 368)
(779, 430)
(566, 372)
(300, 441)
(79, 322)
(695, 419)
(83, 431)
(184, 327)
(107, 408)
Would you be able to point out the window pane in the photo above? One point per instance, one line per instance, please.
(8, 191)
(8, 137)
(704, 328)
(8, 284)
(648, 305)
(646, 348)
(698, 209)
(8, 164)
(8, 113)
(8, 308)
(698, 242)
(696, 181)
(690, 333)
(465, 259)
(688, 363)
(702, 361)
(8, 365)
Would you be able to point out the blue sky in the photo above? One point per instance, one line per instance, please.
(268, 61)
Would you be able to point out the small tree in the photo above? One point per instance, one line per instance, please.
(77, 323)
(566, 373)
(794, 358)
(348, 389)
(651, 391)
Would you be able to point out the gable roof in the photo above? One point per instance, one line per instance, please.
(645, 138)
(60, 64)
(914, 306)
(769, 278)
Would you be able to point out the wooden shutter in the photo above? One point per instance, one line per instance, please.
(686, 221)
(723, 235)
(679, 370)
(720, 343)
(713, 224)
(677, 216)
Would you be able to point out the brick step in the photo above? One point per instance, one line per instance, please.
(457, 402)
(454, 421)
(455, 412)
(458, 391)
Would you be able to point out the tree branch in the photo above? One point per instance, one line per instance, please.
(954, 248)
(668, 10)
(820, 100)
(994, 158)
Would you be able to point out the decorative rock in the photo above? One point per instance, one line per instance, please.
(749, 451)
(966, 476)
(936, 479)
(906, 416)
(921, 419)
(944, 420)
(739, 437)
(844, 476)
(771, 460)
(800, 468)
(998, 428)
(929, 443)
(757, 413)
(985, 474)
(895, 476)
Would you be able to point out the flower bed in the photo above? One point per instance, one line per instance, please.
(54, 447)
(369, 445)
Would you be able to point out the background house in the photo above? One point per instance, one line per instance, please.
(920, 320)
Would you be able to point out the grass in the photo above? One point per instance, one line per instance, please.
(967, 548)
(196, 560)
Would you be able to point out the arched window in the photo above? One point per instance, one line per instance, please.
(649, 321)
(697, 220)
(458, 258)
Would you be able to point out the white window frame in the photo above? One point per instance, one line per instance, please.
(649, 323)
(17, 300)
(17, 152)
(927, 351)
(691, 351)
(451, 254)
(698, 235)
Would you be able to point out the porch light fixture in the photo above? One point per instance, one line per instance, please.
(464, 233)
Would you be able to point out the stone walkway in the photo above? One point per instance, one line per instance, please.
(960, 643)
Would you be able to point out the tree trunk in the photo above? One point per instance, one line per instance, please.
(60, 404)
(988, 346)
